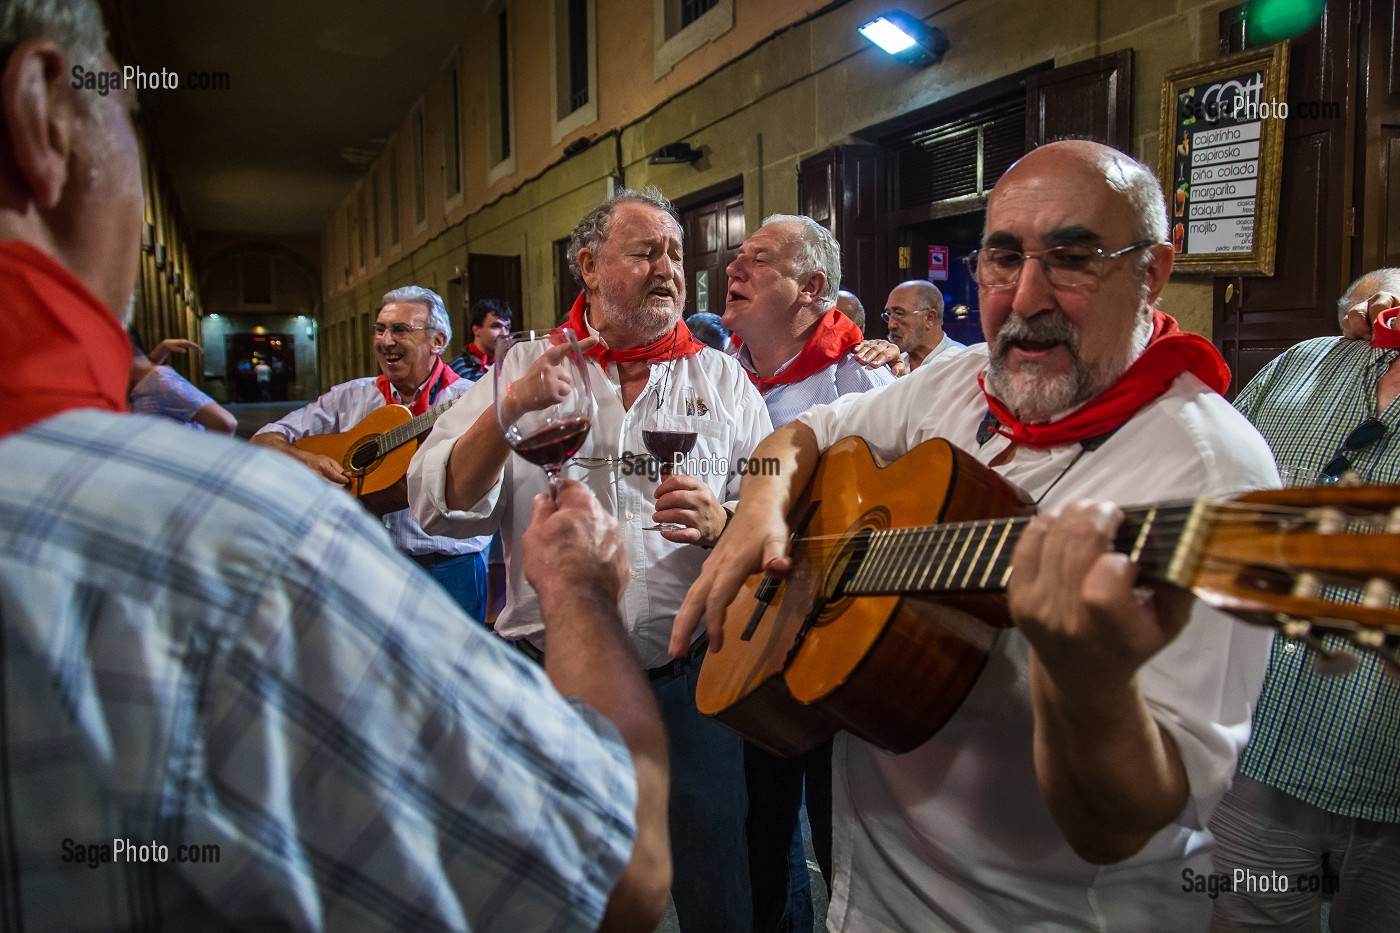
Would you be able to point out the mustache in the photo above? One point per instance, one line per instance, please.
(669, 287)
(1046, 327)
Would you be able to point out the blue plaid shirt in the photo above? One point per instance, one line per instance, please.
(210, 653)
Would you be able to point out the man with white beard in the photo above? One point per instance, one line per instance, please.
(1072, 787)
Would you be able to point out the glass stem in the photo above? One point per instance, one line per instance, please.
(553, 484)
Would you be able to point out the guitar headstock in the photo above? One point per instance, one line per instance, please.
(1310, 561)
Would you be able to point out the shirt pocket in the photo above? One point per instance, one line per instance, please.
(712, 457)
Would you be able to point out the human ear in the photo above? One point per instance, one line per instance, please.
(40, 118)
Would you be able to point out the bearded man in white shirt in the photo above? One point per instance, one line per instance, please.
(465, 481)
(1072, 787)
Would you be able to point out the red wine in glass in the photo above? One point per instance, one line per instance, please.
(666, 446)
(543, 402)
(551, 446)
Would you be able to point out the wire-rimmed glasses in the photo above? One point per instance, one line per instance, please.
(1070, 266)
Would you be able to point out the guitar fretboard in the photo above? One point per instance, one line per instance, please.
(976, 556)
(414, 427)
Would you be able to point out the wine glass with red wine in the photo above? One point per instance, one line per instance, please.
(543, 403)
(668, 429)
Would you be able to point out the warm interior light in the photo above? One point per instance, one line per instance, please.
(886, 35)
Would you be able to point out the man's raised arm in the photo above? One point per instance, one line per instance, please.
(575, 560)
(756, 538)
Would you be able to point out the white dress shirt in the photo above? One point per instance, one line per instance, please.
(661, 570)
(955, 835)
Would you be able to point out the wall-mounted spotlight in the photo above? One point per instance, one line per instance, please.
(676, 154)
(906, 38)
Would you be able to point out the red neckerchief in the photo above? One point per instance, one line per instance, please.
(835, 334)
(1170, 352)
(480, 355)
(674, 344)
(1385, 330)
(441, 373)
(75, 353)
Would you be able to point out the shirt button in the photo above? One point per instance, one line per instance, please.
(629, 516)
(1289, 648)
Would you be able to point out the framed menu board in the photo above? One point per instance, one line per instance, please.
(1221, 155)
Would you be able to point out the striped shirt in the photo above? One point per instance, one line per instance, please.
(1333, 742)
(341, 408)
(208, 651)
(844, 377)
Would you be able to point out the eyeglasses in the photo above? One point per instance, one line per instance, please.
(1072, 266)
(1362, 436)
(900, 314)
(398, 330)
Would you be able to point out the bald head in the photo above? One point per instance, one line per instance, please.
(848, 304)
(1121, 174)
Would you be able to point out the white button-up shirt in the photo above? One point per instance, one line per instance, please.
(661, 570)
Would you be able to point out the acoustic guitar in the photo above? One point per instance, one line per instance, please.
(884, 622)
(376, 452)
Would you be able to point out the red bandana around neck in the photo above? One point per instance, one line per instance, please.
(440, 377)
(480, 355)
(1170, 352)
(76, 354)
(835, 334)
(1385, 330)
(674, 344)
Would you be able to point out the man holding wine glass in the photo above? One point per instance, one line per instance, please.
(631, 343)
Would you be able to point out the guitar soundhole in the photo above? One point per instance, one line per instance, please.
(365, 455)
(850, 554)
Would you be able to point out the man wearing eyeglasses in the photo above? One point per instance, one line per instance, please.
(1318, 789)
(410, 333)
(914, 312)
(1072, 787)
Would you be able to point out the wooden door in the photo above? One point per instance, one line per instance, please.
(1086, 100)
(1257, 318)
(1378, 210)
(497, 277)
(844, 189)
(714, 231)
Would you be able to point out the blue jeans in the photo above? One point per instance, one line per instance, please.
(464, 578)
(707, 808)
(782, 890)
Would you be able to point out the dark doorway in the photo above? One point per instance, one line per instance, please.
(495, 277)
(937, 248)
(260, 366)
(714, 231)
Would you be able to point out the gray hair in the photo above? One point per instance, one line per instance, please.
(820, 253)
(592, 230)
(1374, 281)
(76, 25)
(437, 311)
(928, 296)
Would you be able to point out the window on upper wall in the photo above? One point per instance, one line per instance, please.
(452, 134)
(576, 74)
(575, 71)
(420, 168)
(498, 94)
(394, 196)
(682, 26)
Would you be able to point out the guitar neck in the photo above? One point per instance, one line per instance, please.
(413, 428)
(976, 556)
